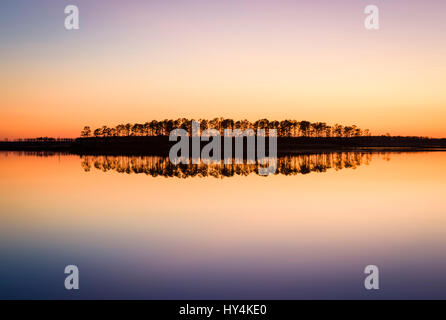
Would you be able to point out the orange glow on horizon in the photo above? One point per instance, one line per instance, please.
(269, 63)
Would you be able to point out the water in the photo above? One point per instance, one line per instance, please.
(138, 227)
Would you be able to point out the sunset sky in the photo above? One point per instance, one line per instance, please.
(138, 60)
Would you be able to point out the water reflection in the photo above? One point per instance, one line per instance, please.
(286, 165)
(286, 237)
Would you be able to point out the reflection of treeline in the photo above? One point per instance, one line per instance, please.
(43, 154)
(285, 128)
(161, 166)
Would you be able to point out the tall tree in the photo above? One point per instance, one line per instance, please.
(304, 127)
(86, 132)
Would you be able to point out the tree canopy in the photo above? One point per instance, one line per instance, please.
(285, 128)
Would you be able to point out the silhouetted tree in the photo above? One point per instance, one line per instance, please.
(338, 130)
(97, 132)
(285, 128)
(304, 127)
(86, 132)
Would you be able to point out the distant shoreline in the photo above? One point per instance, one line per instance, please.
(160, 145)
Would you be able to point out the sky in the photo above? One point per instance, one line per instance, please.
(135, 61)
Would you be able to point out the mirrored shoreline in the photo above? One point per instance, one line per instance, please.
(286, 165)
(161, 165)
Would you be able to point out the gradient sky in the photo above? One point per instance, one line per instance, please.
(135, 60)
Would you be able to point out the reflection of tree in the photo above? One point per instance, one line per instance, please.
(161, 166)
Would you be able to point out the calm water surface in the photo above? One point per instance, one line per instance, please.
(138, 227)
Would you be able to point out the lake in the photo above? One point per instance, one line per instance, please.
(140, 227)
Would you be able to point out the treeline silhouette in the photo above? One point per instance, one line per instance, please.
(286, 165)
(285, 128)
(41, 139)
